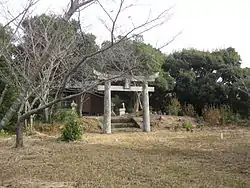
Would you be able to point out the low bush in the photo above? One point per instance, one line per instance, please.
(227, 115)
(174, 108)
(4, 133)
(221, 116)
(72, 130)
(199, 119)
(189, 110)
(64, 114)
(212, 116)
(187, 126)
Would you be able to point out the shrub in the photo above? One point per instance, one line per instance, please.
(189, 110)
(174, 108)
(72, 129)
(3, 133)
(61, 115)
(65, 114)
(199, 119)
(212, 116)
(187, 125)
(227, 115)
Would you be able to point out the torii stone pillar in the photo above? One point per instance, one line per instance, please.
(107, 108)
(146, 114)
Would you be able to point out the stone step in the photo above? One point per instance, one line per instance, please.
(131, 129)
(138, 121)
(121, 120)
(124, 125)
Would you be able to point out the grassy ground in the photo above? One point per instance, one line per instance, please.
(158, 159)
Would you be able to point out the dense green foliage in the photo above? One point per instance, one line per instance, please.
(4, 133)
(72, 130)
(209, 79)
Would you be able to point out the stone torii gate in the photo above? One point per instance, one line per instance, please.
(107, 88)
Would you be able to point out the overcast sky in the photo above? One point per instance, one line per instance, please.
(206, 24)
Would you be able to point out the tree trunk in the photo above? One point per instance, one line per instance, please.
(137, 105)
(19, 133)
(12, 110)
(80, 105)
(31, 123)
(51, 112)
(3, 94)
(46, 115)
(140, 103)
(25, 110)
(146, 115)
(107, 108)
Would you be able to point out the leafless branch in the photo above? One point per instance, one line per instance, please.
(170, 41)
(22, 13)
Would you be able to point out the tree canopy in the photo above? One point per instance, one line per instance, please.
(208, 78)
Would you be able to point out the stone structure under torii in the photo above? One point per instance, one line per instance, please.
(108, 88)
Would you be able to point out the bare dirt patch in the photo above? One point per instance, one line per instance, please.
(157, 159)
(172, 122)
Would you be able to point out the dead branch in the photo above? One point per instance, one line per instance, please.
(22, 14)
(112, 20)
(74, 6)
(170, 41)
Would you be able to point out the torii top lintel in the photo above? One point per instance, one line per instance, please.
(103, 76)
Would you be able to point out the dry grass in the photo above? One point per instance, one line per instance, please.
(158, 159)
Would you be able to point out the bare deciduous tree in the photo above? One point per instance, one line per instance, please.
(47, 56)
